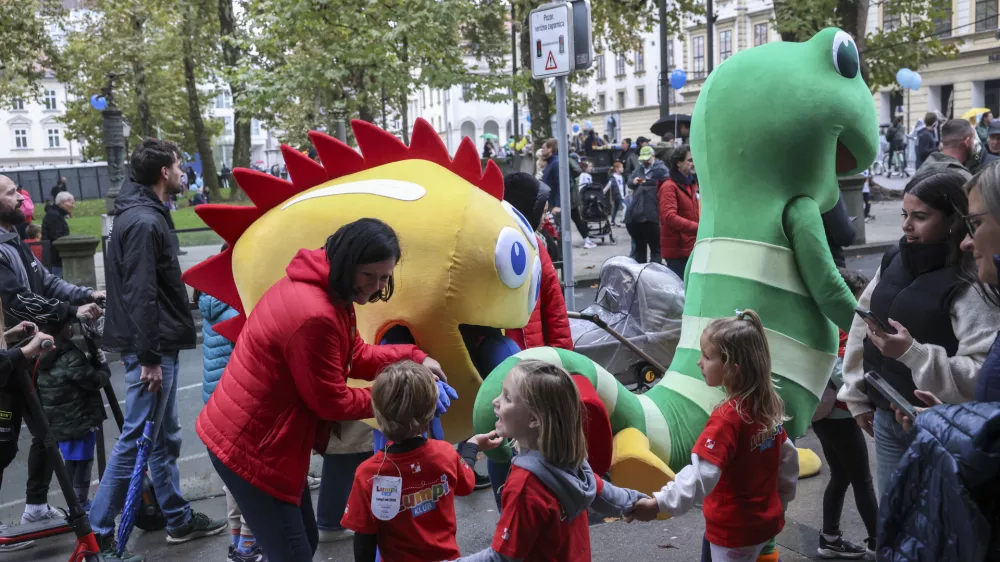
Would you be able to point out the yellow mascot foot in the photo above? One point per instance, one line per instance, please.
(809, 464)
(634, 466)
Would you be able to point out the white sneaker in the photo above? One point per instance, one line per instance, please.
(588, 244)
(48, 513)
(334, 535)
(14, 547)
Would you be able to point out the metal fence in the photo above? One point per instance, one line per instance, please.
(86, 181)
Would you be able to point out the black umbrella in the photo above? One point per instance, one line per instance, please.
(669, 124)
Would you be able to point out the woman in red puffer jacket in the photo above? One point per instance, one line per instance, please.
(288, 374)
(680, 211)
(549, 324)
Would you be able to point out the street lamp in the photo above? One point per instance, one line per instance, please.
(115, 132)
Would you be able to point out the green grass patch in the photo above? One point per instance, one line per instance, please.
(87, 220)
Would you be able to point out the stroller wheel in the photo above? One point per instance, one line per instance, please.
(647, 378)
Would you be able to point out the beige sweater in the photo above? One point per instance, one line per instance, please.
(953, 379)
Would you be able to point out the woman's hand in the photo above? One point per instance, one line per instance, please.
(925, 397)
(435, 368)
(487, 441)
(892, 346)
(34, 347)
(22, 330)
(645, 509)
(865, 422)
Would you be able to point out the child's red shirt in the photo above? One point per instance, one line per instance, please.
(744, 508)
(533, 527)
(424, 529)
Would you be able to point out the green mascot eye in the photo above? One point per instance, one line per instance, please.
(845, 55)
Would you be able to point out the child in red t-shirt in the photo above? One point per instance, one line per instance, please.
(550, 485)
(403, 499)
(743, 467)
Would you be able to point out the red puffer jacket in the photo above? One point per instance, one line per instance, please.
(679, 214)
(287, 373)
(548, 325)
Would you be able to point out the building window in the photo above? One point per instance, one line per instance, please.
(640, 59)
(224, 100)
(423, 99)
(601, 73)
(725, 45)
(986, 15)
(759, 34)
(254, 128)
(20, 138)
(465, 92)
(50, 100)
(698, 56)
(891, 19)
(640, 97)
(621, 99)
(227, 129)
(620, 65)
(54, 137)
(17, 104)
(670, 54)
(942, 26)
(602, 102)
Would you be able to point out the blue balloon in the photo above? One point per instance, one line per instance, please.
(527, 118)
(576, 128)
(678, 78)
(589, 125)
(915, 80)
(901, 76)
(909, 79)
(98, 103)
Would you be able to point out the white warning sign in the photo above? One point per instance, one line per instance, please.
(551, 40)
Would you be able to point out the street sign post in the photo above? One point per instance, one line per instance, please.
(558, 47)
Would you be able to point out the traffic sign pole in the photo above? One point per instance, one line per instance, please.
(564, 194)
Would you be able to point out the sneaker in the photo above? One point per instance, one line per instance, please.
(313, 482)
(47, 514)
(199, 526)
(588, 244)
(334, 535)
(482, 482)
(255, 555)
(839, 549)
(871, 549)
(109, 550)
(14, 547)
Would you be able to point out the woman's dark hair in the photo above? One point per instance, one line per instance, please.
(679, 155)
(944, 190)
(361, 242)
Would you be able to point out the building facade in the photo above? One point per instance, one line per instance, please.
(31, 133)
(265, 149)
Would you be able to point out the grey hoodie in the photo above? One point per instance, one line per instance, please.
(575, 490)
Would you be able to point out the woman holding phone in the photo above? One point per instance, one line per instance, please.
(926, 290)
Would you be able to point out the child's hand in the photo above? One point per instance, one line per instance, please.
(22, 330)
(645, 509)
(487, 441)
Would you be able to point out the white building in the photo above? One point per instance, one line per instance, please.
(265, 148)
(31, 133)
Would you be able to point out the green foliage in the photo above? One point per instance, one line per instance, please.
(27, 51)
(910, 45)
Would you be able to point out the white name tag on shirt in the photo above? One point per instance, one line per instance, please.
(386, 494)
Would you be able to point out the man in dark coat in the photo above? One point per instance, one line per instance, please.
(54, 227)
(148, 322)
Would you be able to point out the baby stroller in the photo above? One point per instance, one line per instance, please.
(594, 209)
(634, 325)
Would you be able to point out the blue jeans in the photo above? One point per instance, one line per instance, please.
(891, 443)
(139, 406)
(335, 488)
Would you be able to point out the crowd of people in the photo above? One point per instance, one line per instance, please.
(280, 393)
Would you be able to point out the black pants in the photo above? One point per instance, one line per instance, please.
(39, 464)
(645, 235)
(79, 473)
(678, 266)
(581, 224)
(846, 452)
(868, 204)
(285, 532)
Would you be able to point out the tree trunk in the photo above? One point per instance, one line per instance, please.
(208, 172)
(854, 20)
(141, 89)
(405, 103)
(539, 105)
(241, 121)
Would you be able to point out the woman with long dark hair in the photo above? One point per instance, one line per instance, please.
(288, 374)
(926, 291)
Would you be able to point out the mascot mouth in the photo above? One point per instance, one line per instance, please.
(485, 345)
(845, 160)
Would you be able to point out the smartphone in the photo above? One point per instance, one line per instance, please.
(890, 393)
(869, 316)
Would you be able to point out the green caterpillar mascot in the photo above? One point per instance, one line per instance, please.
(772, 129)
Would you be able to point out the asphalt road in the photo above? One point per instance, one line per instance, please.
(678, 539)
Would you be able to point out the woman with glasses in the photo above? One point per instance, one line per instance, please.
(938, 328)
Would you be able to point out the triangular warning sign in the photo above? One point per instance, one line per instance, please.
(550, 63)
